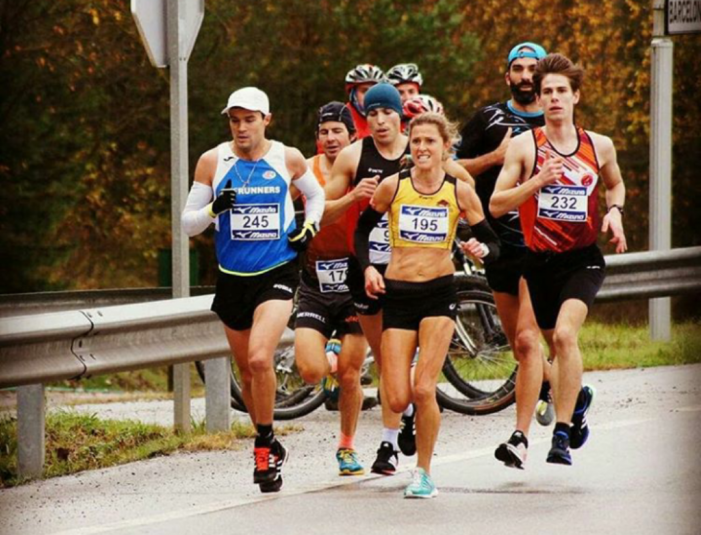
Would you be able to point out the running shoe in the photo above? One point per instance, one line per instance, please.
(560, 451)
(579, 432)
(514, 451)
(407, 435)
(422, 486)
(544, 409)
(348, 464)
(268, 462)
(386, 461)
(273, 486)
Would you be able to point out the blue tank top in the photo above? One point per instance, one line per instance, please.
(252, 237)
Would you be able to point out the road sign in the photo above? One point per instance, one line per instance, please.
(150, 17)
(682, 16)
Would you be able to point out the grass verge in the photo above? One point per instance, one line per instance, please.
(77, 442)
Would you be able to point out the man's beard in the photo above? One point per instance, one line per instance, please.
(521, 96)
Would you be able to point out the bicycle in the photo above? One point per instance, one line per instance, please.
(478, 375)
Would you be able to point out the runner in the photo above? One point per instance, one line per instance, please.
(484, 141)
(552, 175)
(358, 81)
(407, 79)
(257, 242)
(325, 306)
(356, 173)
(424, 205)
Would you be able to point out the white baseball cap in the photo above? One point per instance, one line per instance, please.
(248, 98)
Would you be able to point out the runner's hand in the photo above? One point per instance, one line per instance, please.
(552, 169)
(614, 222)
(475, 248)
(500, 152)
(366, 188)
(225, 201)
(374, 283)
(301, 237)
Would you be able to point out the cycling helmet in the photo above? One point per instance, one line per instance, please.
(363, 74)
(421, 104)
(405, 73)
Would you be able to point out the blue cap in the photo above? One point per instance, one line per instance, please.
(526, 50)
(383, 95)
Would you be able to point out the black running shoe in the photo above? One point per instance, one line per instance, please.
(513, 452)
(560, 451)
(579, 432)
(407, 435)
(386, 461)
(273, 486)
(268, 462)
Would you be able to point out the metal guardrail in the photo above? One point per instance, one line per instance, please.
(35, 349)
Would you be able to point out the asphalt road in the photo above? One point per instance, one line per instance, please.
(640, 473)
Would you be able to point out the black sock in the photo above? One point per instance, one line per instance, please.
(544, 391)
(517, 437)
(561, 427)
(264, 436)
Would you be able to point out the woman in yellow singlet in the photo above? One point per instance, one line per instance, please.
(424, 205)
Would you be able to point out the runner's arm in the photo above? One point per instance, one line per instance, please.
(197, 214)
(615, 191)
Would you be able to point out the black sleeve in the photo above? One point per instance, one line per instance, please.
(484, 233)
(366, 223)
(471, 137)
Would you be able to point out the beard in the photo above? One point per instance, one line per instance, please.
(522, 96)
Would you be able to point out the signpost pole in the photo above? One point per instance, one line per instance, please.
(660, 161)
(175, 11)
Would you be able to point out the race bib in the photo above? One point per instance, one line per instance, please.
(255, 222)
(423, 224)
(380, 249)
(332, 275)
(563, 203)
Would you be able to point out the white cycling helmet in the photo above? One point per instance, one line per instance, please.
(421, 104)
(363, 74)
(405, 73)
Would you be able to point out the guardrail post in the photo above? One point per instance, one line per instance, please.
(217, 394)
(30, 430)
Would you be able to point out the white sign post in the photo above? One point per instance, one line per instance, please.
(169, 30)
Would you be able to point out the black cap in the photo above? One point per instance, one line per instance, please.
(336, 111)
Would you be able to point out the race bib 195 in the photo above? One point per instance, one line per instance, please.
(423, 224)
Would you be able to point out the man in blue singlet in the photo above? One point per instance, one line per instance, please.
(242, 186)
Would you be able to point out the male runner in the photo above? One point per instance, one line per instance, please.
(358, 81)
(354, 177)
(552, 174)
(484, 141)
(325, 306)
(257, 242)
(407, 79)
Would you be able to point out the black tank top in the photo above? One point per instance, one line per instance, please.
(373, 163)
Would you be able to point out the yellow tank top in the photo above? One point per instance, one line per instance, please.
(424, 220)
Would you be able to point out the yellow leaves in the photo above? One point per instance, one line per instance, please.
(95, 16)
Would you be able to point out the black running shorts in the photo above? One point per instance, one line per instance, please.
(504, 274)
(236, 298)
(326, 312)
(553, 278)
(407, 303)
(364, 305)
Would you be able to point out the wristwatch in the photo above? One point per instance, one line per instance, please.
(617, 206)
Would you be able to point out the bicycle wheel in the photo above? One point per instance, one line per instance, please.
(236, 397)
(479, 372)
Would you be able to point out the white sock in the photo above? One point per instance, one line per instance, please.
(391, 436)
(409, 411)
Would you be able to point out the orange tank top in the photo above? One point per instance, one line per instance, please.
(563, 216)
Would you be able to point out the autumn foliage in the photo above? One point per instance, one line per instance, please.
(84, 143)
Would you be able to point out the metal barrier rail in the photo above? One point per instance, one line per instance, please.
(36, 349)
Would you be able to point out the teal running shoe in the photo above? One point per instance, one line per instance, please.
(422, 486)
(348, 464)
